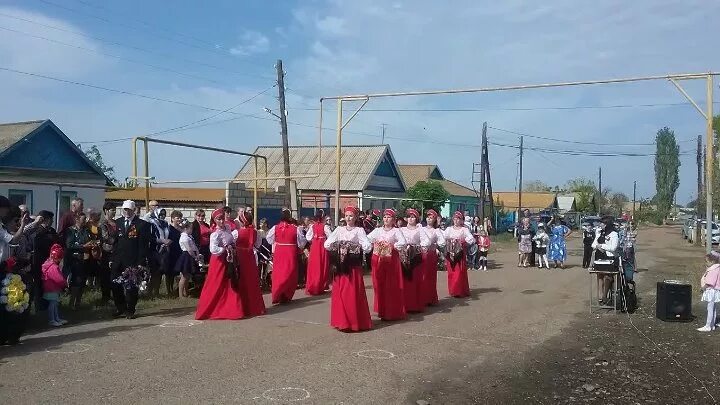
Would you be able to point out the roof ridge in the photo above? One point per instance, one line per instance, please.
(24, 122)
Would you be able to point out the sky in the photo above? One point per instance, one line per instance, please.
(163, 65)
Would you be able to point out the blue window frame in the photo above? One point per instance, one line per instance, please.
(65, 198)
(19, 197)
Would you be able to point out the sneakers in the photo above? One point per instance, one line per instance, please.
(55, 324)
(705, 329)
(63, 322)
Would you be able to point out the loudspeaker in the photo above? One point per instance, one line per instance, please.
(674, 301)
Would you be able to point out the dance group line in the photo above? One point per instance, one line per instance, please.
(404, 266)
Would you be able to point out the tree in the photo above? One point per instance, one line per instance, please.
(667, 165)
(93, 153)
(425, 195)
(616, 204)
(584, 190)
(537, 186)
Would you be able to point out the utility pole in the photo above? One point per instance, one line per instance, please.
(483, 185)
(599, 199)
(520, 177)
(383, 134)
(634, 198)
(290, 193)
(699, 160)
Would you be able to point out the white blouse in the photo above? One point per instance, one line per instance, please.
(310, 234)
(187, 244)
(461, 233)
(354, 234)
(435, 235)
(301, 241)
(393, 236)
(415, 236)
(219, 239)
(610, 245)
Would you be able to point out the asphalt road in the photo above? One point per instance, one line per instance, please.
(292, 355)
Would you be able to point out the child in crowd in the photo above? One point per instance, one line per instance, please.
(53, 284)
(710, 283)
(187, 264)
(541, 240)
(483, 242)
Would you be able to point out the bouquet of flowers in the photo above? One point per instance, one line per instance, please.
(14, 295)
(133, 277)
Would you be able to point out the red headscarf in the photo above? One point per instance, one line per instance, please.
(390, 212)
(459, 214)
(220, 212)
(411, 212)
(432, 213)
(352, 209)
(56, 252)
(242, 217)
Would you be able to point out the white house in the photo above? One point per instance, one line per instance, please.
(42, 168)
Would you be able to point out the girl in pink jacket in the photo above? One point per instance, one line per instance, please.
(53, 283)
(710, 283)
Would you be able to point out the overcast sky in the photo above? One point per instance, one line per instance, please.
(221, 55)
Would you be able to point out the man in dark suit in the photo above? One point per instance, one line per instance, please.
(131, 249)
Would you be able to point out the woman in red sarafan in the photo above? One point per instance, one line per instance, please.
(412, 264)
(457, 239)
(387, 277)
(247, 240)
(285, 239)
(430, 258)
(349, 310)
(220, 297)
(318, 267)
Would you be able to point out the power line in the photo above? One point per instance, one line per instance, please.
(129, 93)
(133, 47)
(585, 153)
(576, 142)
(167, 38)
(111, 55)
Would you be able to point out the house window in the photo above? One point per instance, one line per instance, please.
(64, 198)
(19, 197)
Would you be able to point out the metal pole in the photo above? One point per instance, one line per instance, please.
(710, 142)
(289, 196)
(483, 174)
(338, 142)
(634, 197)
(255, 194)
(57, 208)
(520, 176)
(147, 176)
(599, 198)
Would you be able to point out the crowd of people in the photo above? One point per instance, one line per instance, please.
(227, 260)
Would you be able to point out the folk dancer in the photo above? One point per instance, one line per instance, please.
(348, 303)
(220, 297)
(286, 238)
(457, 240)
(318, 267)
(411, 261)
(248, 240)
(387, 277)
(436, 238)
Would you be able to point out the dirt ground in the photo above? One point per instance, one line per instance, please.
(524, 336)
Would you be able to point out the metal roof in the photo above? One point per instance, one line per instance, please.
(412, 174)
(12, 133)
(164, 194)
(530, 200)
(359, 162)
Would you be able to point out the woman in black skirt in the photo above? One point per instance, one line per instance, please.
(187, 264)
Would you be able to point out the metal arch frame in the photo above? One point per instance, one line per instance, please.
(147, 177)
(673, 78)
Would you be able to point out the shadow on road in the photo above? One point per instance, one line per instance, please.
(30, 345)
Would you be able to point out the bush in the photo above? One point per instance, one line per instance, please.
(650, 216)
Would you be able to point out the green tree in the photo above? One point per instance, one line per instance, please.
(584, 190)
(616, 203)
(425, 195)
(537, 186)
(667, 165)
(93, 153)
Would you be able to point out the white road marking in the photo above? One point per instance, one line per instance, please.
(376, 354)
(287, 394)
(440, 337)
(80, 348)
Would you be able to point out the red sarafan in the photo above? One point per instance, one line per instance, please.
(318, 267)
(250, 293)
(286, 241)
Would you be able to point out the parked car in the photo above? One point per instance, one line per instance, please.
(715, 233)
